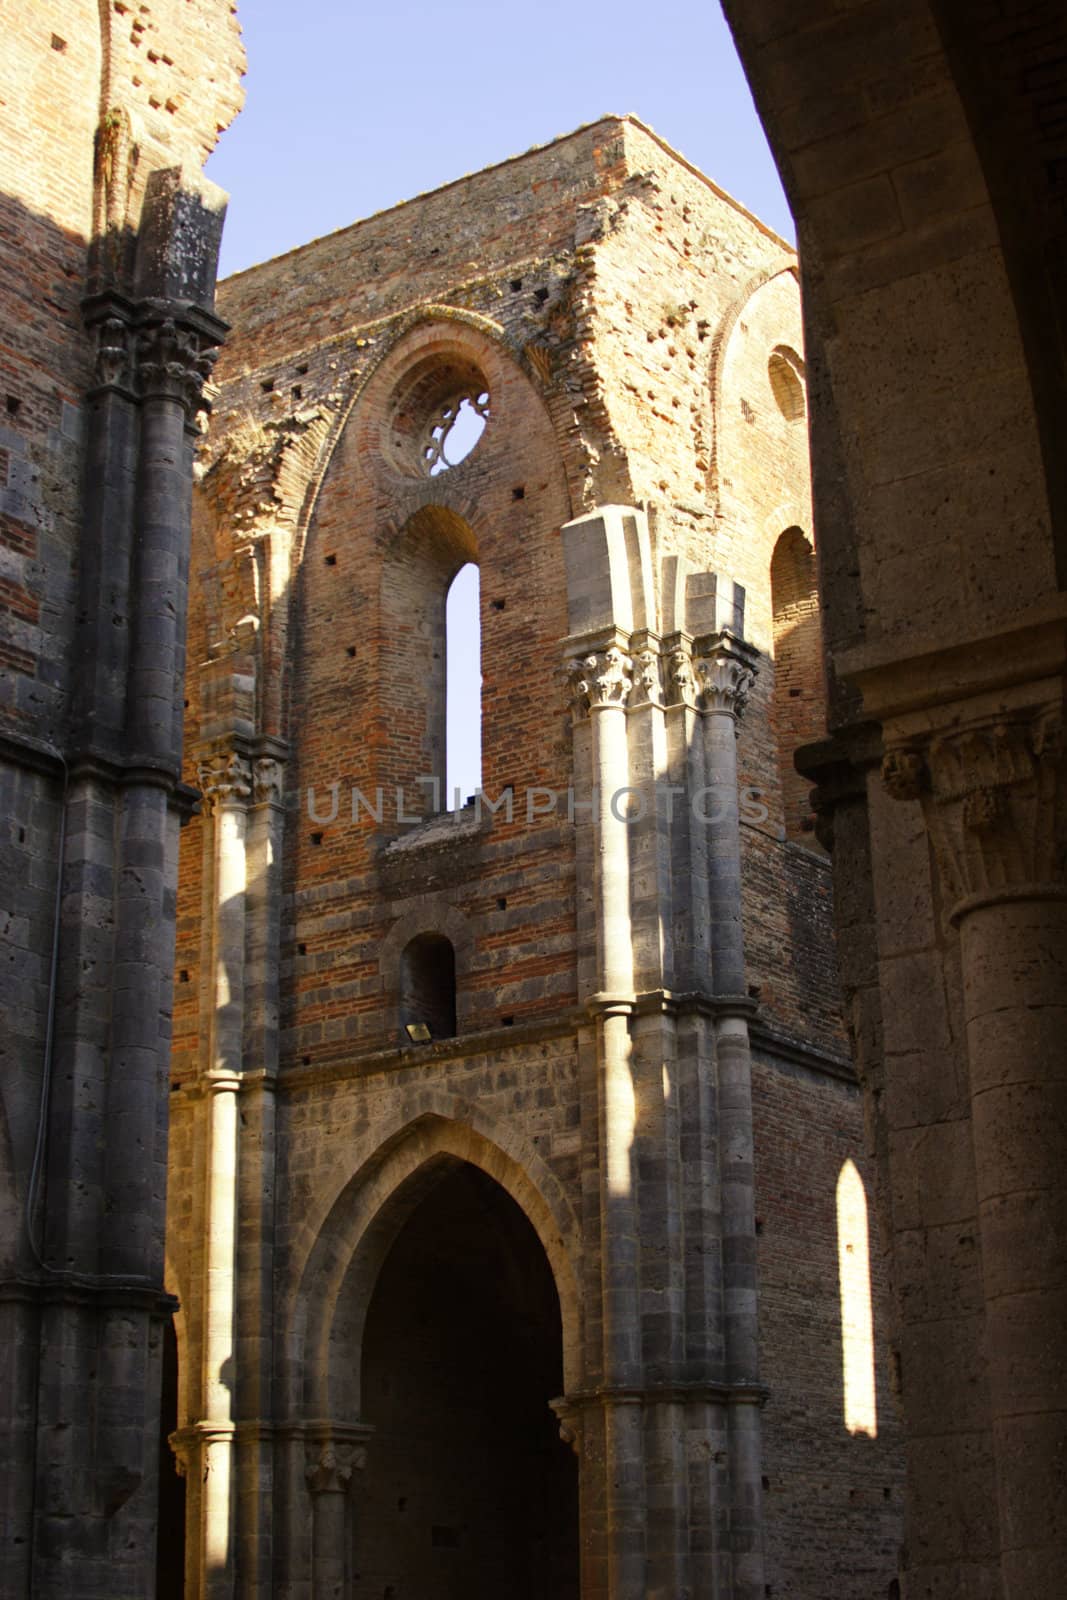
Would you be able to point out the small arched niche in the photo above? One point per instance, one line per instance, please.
(428, 988)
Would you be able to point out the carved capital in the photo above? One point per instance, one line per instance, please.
(569, 1417)
(174, 362)
(330, 1466)
(268, 777)
(725, 671)
(681, 684)
(647, 689)
(903, 773)
(224, 778)
(600, 679)
(992, 795)
(113, 363)
(180, 1451)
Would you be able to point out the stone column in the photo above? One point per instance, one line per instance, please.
(101, 1260)
(658, 1166)
(332, 1458)
(226, 783)
(992, 792)
(254, 1407)
(724, 668)
(601, 682)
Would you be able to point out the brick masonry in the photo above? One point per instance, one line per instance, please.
(627, 321)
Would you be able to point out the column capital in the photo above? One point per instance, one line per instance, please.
(600, 679)
(992, 792)
(174, 361)
(225, 778)
(724, 666)
(330, 1460)
(569, 1416)
(268, 779)
(647, 688)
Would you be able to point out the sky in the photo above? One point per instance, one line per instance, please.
(354, 107)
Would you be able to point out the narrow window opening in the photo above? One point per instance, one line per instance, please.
(857, 1315)
(428, 985)
(785, 370)
(463, 686)
(799, 703)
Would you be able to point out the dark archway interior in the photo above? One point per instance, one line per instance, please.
(468, 1490)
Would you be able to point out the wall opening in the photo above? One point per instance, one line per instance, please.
(430, 630)
(170, 1536)
(428, 985)
(857, 1315)
(799, 705)
(456, 432)
(785, 370)
(468, 1490)
(463, 686)
(438, 413)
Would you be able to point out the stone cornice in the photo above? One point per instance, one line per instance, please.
(925, 674)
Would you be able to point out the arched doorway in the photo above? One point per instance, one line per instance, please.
(469, 1490)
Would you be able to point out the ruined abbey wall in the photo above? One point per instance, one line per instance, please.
(644, 463)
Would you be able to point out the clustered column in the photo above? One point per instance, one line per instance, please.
(677, 1359)
(99, 1248)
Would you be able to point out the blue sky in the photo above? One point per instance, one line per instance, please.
(351, 108)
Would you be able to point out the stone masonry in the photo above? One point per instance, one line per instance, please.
(647, 1057)
(412, 1280)
(108, 244)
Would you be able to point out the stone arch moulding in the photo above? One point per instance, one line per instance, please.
(717, 363)
(467, 330)
(347, 1247)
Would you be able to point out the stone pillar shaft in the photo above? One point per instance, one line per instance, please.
(1014, 958)
(101, 1266)
(992, 788)
(724, 672)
